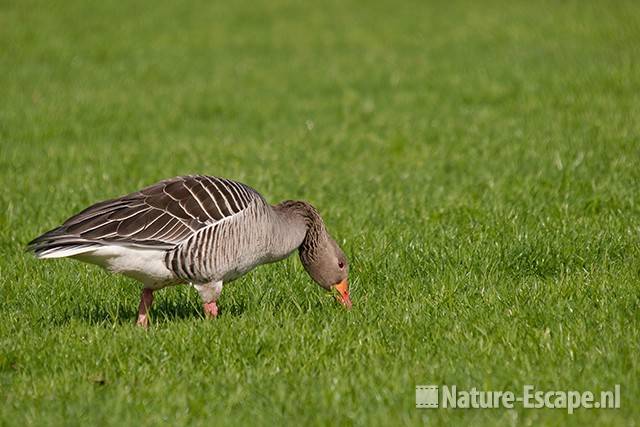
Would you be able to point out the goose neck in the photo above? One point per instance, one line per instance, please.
(302, 222)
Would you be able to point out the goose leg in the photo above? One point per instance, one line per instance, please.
(146, 299)
(209, 292)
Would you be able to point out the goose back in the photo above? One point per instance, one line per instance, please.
(161, 216)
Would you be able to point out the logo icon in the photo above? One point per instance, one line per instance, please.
(426, 396)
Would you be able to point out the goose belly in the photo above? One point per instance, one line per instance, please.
(145, 265)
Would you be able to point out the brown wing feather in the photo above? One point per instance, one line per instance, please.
(161, 215)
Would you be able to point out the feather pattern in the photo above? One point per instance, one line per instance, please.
(160, 216)
(231, 247)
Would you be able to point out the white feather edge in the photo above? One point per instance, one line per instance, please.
(68, 251)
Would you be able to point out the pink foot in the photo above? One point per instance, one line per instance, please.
(143, 320)
(211, 309)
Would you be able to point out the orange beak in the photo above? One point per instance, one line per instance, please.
(343, 296)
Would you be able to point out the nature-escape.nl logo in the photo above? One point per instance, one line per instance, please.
(429, 396)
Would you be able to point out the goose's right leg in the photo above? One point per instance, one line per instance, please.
(209, 292)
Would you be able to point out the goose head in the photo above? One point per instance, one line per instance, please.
(328, 267)
(319, 253)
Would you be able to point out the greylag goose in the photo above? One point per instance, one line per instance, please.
(200, 230)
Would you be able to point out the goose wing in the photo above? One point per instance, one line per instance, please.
(160, 216)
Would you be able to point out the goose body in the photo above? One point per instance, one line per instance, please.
(201, 230)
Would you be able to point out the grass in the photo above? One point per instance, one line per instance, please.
(478, 161)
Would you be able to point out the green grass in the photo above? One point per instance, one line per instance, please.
(478, 162)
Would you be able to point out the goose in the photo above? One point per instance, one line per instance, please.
(200, 230)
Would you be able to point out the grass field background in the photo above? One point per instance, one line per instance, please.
(478, 162)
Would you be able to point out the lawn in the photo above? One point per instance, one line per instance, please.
(478, 162)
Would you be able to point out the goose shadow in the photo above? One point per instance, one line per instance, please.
(163, 311)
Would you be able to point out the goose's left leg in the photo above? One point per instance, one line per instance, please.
(209, 292)
(146, 299)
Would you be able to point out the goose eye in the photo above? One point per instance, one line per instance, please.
(340, 264)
